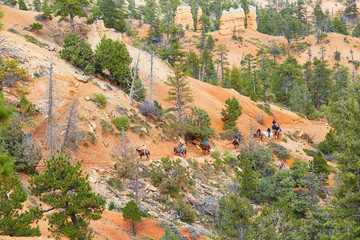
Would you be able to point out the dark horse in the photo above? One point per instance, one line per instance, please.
(273, 127)
(236, 143)
(179, 151)
(278, 133)
(141, 153)
(205, 147)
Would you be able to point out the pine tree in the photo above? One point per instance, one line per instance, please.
(322, 83)
(13, 220)
(114, 57)
(222, 53)
(132, 214)
(247, 178)
(22, 5)
(37, 5)
(320, 166)
(72, 9)
(351, 11)
(230, 113)
(179, 94)
(63, 187)
(113, 14)
(285, 76)
(235, 218)
(344, 118)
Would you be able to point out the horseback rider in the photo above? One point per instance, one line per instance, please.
(274, 121)
(269, 131)
(206, 143)
(144, 149)
(181, 145)
(258, 132)
(239, 135)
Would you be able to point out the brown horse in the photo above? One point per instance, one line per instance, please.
(277, 133)
(259, 136)
(273, 127)
(205, 147)
(142, 154)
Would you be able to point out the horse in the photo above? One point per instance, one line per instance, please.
(178, 150)
(259, 136)
(205, 147)
(141, 153)
(273, 127)
(267, 135)
(236, 143)
(278, 133)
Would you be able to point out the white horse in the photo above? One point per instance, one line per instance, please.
(267, 135)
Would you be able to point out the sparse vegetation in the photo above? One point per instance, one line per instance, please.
(121, 123)
(99, 99)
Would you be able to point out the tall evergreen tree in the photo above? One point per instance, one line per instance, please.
(71, 8)
(132, 214)
(63, 187)
(344, 117)
(230, 113)
(179, 94)
(13, 220)
(247, 178)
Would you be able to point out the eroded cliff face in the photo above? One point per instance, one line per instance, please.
(184, 17)
(232, 20)
(251, 19)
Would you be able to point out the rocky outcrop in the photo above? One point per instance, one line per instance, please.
(184, 17)
(251, 19)
(198, 25)
(232, 20)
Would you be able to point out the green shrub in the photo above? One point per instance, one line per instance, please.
(34, 40)
(216, 153)
(25, 153)
(111, 206)
(36, 26)
(99, 99)
(26, 106)
(121, 123)
(116, 183)
(156, 176)
(13, 30)
(231, 159)
(284, 139)
(280, 151)
(305, 136)
(266, 108)
(229, 134)
(78, 53)
(170, 187)
(261, 160)
(185, 211)
(309, 152)
(92, 137)
(218, 162)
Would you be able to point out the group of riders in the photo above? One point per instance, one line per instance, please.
(275, 126)
(238, 138)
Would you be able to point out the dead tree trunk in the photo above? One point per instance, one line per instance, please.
(50, 113)
(151, 76)
(70, 124)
